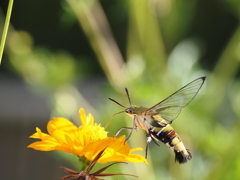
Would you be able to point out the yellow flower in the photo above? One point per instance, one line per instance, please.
(85, 141)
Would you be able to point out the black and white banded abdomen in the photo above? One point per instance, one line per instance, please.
(168, 136)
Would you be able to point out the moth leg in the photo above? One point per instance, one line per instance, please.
(149, 139)
(129, 128)
(154, 140)
(122, 128)
(133, 128)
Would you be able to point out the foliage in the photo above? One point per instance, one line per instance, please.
(162, 52)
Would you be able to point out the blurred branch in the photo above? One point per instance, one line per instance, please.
(94, 22)
(5, 29)
(145, 36)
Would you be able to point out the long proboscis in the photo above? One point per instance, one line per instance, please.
(112, 118)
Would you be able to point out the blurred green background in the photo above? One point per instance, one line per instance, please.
(63, 55)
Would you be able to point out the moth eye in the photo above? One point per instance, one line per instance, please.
(129, 111)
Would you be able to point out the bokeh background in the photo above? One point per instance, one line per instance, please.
(61, 55)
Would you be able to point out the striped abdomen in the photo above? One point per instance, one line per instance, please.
(168, 136)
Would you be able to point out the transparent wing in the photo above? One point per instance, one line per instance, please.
(170, 107)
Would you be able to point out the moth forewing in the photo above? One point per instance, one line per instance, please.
(170, 107)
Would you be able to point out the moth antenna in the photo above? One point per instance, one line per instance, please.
(128, 96)
(112, 118)
(116, 102)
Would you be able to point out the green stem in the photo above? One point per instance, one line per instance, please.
(5, 29)
(84, 162)
(93, 20)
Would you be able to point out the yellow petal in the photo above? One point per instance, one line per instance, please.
(43, 146)
(115, 150)
(74, 146)
(90, 120)
(83, 116)
(61, 124)
(122, 138)
(136, 149)
(40, 135)
(136, 158)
